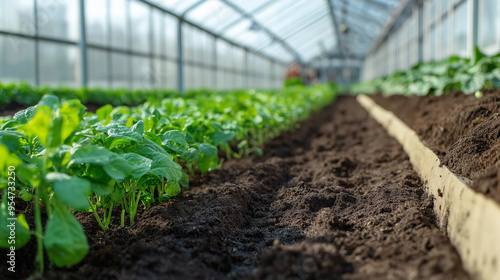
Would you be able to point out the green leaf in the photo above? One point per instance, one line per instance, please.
(22, 233)
(478, 55)
(174, 140)
(101, 189)
(90, 154)
(40, 125)
(184, 180)
(141, 164)
(138, 127)
(191, 154)
(104, 114)
(118, 168)
(64, 239)
(50, 101)
(220, 137)
(71, 191)
(173, 188)
(207, 149)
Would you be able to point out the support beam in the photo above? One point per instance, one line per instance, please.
(282, 62)
(473, 25)
(335, 25)
(192, 7)
(238, 20)
(83, 45)
(265, 30)
(399, 14)
(37, 48)
(180, 57)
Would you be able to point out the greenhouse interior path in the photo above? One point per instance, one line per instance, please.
(335, 199)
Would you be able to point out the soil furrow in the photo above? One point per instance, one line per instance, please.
(335, 199)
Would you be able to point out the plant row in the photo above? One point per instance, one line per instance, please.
(119, 158)
(436, 78)
(24, 94)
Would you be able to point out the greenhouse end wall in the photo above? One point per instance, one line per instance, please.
(445, 28)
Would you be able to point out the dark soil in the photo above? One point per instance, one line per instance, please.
(463, 131)
(11, 109)
(335, 199)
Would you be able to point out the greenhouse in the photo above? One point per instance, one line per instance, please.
(264, 139)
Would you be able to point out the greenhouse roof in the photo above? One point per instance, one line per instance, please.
(289, 30)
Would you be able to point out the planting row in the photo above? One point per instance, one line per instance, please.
(27, 95)
(66, 159)
(454, 73)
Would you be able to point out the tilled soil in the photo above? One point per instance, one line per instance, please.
(335, 199)
(463, 130)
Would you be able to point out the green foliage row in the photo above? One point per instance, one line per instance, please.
(437, 78)
(120, 158)
(27, 95)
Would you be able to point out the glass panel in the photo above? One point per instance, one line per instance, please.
(444, 38)
(160, 47)
(97, 68)
(17, 16)
(17, 59)
(96, 14)
(141, 74)
(59, 64)
(59, 19)
(118, 24)
(489, 25)
(251, 6)
(213, 15)
(176, 6)
(171, 26)
(159, 74)
(140, 14)
(120, 70)
(460, 30)
(172, 75)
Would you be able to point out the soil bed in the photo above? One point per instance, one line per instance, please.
(463, 131)
(335, 199)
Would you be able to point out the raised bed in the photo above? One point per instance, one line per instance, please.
(337, 198)
(464, 132)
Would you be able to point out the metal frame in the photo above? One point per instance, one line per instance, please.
(265, 29)
(336, 32)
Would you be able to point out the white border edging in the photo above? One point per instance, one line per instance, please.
(471, 220)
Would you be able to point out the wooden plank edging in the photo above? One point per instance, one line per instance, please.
(471, 220)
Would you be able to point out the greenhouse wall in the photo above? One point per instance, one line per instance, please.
(436, 30)
(45, 43)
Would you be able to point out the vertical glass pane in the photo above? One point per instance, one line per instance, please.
(118, 24)
(119, 70)
(97, 68)
(59, 19)
(444, 38)
(460, 30)
(186, 42)
(59, 64)
(172, 75)
(489, 24)
(141, 74)
(140, 14)
(171, 26)
(17, 59)
(160, 74)
(96, 14)
(17, 16)
(160, 47)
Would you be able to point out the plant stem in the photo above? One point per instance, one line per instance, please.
(104, 228)
(39, 231)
